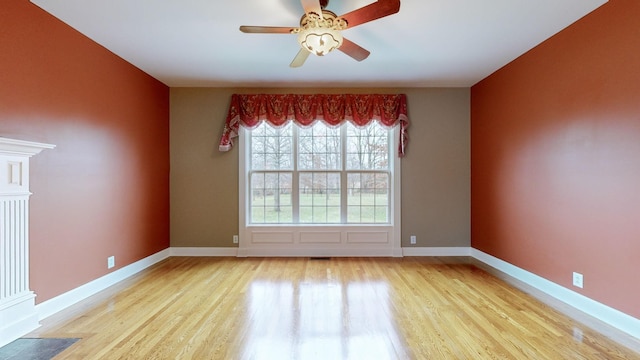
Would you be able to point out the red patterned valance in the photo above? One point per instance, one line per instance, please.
(250, 110)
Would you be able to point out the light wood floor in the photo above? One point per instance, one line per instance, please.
(351, 308)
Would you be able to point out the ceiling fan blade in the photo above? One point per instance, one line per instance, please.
(312, 6)
(376, 10)
(354, 50)
(300, 58)
(266, 29)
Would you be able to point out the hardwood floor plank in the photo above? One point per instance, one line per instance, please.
(342, 308)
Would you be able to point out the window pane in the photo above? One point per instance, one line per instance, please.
(366, 214)
(319, 215)
(257, 161)
(257, 189)
(319, 148)
(319, 174)
(333, 214)
(271, 198)
(381, 214)
(271, 148)
(305, 185)
(257, 214)
(319, 197)
(353, 214)
(368, 197)
(367, 148)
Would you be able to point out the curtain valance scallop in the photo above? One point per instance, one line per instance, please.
(304, 110)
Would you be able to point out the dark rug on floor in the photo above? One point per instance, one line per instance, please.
(35, 349)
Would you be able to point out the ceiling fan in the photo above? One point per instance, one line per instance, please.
(320, 30)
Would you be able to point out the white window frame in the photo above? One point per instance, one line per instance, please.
(318, 239)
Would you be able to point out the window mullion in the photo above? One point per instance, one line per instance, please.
(295, 186)
(343, 174)
(391, 184)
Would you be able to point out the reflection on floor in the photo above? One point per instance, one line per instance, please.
(35, 348)
(330, 319)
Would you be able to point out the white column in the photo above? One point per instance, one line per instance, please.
(18, 315)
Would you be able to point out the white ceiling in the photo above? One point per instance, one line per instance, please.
(428, 43)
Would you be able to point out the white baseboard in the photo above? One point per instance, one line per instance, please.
(436, 251)
(60, 302)
(204, 251)
(599, 311)
(316, 252)
(17, 317)
(283, 252)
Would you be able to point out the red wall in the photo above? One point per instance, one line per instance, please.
(104, 190)
(556, 158)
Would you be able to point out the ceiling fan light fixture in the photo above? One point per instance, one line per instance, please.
(320, 34)
(320, 41)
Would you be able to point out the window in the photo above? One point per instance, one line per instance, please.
(319, 174)
(310, 188)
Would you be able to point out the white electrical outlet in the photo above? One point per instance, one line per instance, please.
(578, 280)
(413, 239)
(111, 262)
(235, 239)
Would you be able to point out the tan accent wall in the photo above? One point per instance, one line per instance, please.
(435, 171)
